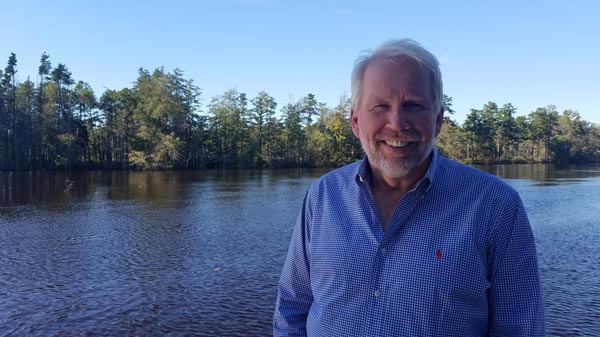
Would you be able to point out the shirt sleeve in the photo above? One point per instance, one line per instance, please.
(515, 297)
(294, 295)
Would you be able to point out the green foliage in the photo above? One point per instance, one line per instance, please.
(341, 147)
(447, 104)
(494, 135)
(158, 123)
(261, 114)
(230, 131)
(45, 66)
(9, 115)
(293, 135)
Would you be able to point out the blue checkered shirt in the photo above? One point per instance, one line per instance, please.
(457, 259)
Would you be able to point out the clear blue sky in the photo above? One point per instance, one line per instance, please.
(530, 53)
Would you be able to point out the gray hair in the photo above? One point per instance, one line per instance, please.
(395, 50)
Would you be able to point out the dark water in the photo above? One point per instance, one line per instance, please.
(199, 253)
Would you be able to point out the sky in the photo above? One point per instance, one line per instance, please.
(530, 53)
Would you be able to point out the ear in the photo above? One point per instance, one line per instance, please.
(439, 121)
(354, 122)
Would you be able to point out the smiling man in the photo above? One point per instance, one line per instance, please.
(406, 242)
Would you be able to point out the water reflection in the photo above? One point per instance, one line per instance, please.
(51, 187)
(545, 174)
(24, 188)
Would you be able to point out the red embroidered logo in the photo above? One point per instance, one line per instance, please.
(438, 254)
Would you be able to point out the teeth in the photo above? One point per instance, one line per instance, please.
(396, 143)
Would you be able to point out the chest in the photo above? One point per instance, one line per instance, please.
(423, 266)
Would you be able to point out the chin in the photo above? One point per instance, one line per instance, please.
(396, 169)
(401, 167)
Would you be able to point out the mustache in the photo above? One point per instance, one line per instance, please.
(408, 135)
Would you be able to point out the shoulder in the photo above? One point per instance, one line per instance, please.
(458, 177)
(339, 178)
(335, 186)
(490, 206)
(328, 194)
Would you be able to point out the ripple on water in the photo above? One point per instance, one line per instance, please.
(193, 262)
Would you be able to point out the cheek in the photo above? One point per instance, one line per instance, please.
(428, 127)
(366, 131)
(371, 125)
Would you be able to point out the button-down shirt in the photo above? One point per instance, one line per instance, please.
(457, 259)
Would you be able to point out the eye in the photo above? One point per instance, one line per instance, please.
(413, 105)
(380, 107)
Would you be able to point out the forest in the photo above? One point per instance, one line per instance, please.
(57, 123)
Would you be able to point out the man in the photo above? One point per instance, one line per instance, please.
(406, 242)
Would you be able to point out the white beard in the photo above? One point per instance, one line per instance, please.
(397, 168)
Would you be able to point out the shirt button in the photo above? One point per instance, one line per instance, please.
(376, 293)
(383, 251)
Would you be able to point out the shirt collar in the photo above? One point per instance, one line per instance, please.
(433, 169)
(362, 173)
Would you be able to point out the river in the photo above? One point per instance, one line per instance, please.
(199, 252)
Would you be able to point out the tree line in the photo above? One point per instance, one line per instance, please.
(494, 134)
(57, 123)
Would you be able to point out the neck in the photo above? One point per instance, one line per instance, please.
(380, 181)
(388, 191)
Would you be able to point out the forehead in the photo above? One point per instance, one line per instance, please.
(404, 70)
(404, 76)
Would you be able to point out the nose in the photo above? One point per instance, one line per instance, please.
(398, 119)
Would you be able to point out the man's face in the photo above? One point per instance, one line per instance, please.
(395, 118)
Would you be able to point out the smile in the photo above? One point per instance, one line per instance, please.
(396, 143)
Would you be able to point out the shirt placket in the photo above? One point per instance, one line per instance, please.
(372, 315)
(392, 235)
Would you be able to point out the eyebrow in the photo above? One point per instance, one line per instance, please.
(406, 98)
(411, 97)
